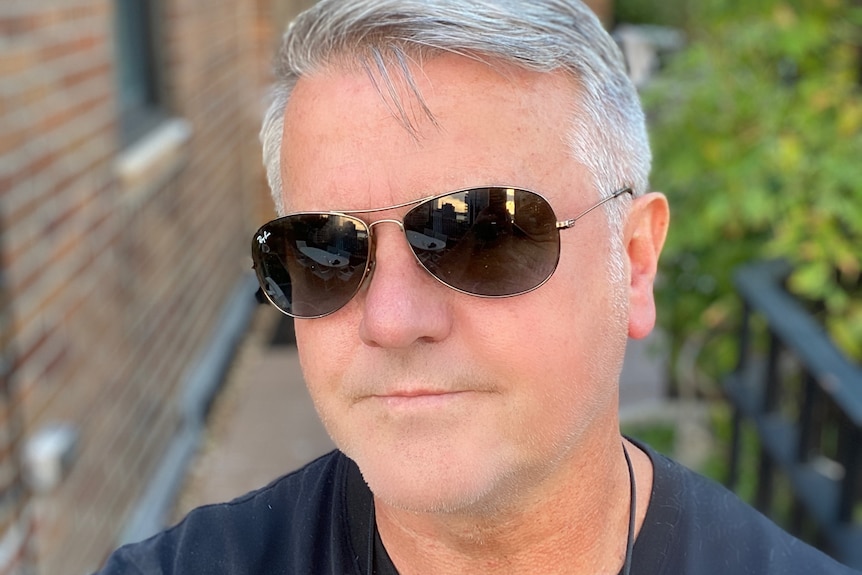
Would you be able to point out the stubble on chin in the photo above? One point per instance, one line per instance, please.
(413, 463)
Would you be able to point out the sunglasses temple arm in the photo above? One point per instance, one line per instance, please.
(565, 224)
(258, 295)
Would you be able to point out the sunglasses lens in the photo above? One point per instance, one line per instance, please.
(310, 265)
(486, 241)
(491, 242)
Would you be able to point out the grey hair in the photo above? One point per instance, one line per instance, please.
(608, 133)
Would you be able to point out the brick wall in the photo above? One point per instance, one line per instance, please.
(116, 261)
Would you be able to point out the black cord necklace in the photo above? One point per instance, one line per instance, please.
(633, 509)
(630, 538)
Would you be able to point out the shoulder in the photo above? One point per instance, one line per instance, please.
(695, 525)
(270, 530)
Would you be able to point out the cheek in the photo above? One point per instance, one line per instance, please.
(306, 336)
(570, 331)
(324, 352)
(324, 356)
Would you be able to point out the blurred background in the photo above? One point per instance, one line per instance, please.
(138, 377)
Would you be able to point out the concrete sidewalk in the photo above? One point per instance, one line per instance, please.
(263, 425)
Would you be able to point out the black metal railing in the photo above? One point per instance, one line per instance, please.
(803, 398)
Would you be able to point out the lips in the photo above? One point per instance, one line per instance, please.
(419, 398)
(361, 388)
(416, 393)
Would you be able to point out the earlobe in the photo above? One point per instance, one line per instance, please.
(644, 237)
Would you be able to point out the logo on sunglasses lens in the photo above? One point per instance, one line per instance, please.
(261, 238)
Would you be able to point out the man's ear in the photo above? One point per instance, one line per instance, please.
(645, 231)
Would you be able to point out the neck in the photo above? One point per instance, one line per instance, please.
(576, 521)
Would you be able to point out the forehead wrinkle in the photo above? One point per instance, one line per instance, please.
(391, 74)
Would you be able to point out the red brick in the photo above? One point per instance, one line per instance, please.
(109, 305)
(70, 47)
(19, 25)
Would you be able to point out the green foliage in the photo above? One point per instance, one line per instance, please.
(662, 12)
(757, 135)
(659, 436)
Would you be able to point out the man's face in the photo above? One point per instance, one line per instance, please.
(448, 401)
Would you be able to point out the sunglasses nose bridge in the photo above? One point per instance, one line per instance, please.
(373, 246)
(398, 223)
(372, 256)
(373, 243)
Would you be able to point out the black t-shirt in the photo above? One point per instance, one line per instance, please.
(318, 521)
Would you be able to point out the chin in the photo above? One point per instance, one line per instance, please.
(447, 484)
(433, 497)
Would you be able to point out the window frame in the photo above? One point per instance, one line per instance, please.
(140, 95)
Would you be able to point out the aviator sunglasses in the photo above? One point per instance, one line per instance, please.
(488, 242)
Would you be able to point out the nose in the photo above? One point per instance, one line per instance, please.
(401, 304)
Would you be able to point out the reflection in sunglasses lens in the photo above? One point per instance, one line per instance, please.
(315, 262)
(486, 241)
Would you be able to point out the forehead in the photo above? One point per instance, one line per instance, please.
(347, 142)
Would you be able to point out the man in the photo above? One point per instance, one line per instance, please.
(469, 243)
